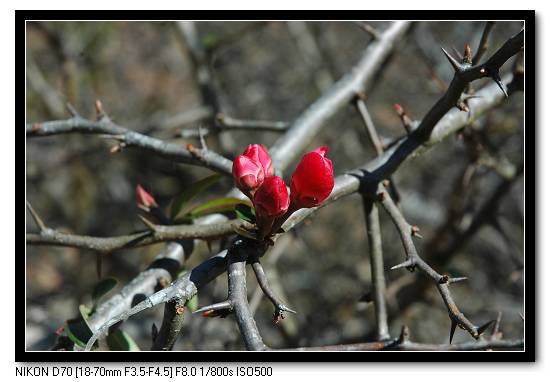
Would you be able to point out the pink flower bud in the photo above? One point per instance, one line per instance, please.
(144, 199)
(271, 199)
(258, 153)
(247, 174)
(313, 180)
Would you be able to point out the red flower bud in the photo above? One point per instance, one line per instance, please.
(144, 199)
(258, 153)
(313, 180)
(247, 174)
(271, 199)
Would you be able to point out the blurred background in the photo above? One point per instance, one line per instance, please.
(146, 75)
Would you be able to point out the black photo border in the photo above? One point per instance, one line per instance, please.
(529, 353)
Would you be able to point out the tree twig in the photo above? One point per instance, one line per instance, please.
(483, 42)
(180, 291)
(414, 261)
(236, 273)
(280, 306)
(298, 136)
(225, 123)
(464, 74)
(106, 128)
(159, 234)
(157, 275)
(374, 235)
(414, 346)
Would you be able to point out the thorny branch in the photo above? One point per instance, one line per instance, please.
(414, 261)
(441, 250)
(280, 307)
(415, 346)
(298, 136)
(286, 149)
(464, 74)
(374, 235)
(155, 234)
(158, 275)
(225, 123)
(344, 185)
(128, 138)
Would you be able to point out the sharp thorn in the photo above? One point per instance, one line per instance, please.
(71, 109)
(284, 308)
(484, 327)
(148, 223)
(452, 61)
(496, 78)
(457, 279)
(214, 307)
(405, 264)
(154, 332)
(36, 218)
(453, 328)
(458, 54)
(495, 333)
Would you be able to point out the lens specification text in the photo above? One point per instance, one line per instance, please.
(170, 372)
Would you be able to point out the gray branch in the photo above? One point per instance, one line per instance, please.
(225, 123)
(237, 257)
(414, 346)
(302, 131)
(128, 138)
(181, 290)
(158, 233)
(377, 268)
(158, 274)
(414, 261)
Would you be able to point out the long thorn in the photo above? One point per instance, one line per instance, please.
(484, 327)
(214, 307)
(451, 59)
(148, 223)
(405, 264)
(284, 308)
(453, 328)
(496, 328)
(36, 218)
(496, 77)
(456, 280)
(72, 109)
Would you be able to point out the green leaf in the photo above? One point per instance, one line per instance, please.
(196, 188)
(102, 288)
(193, 303)
(120, 340)
(246, 212)
(215, 206)
(78, 331)
(85, 311)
